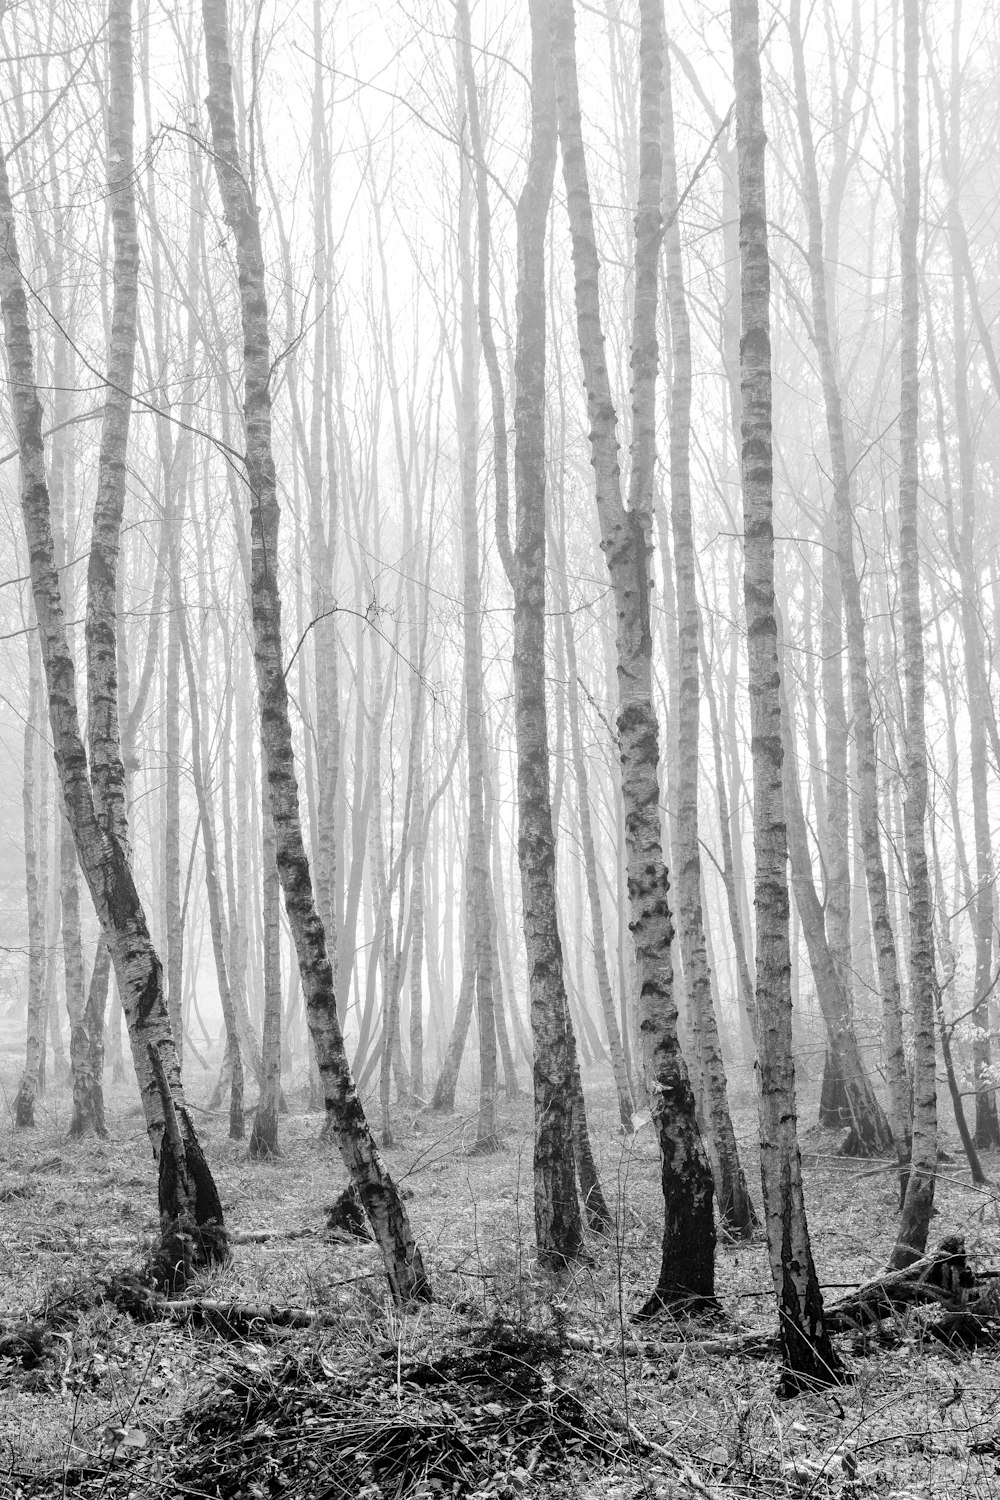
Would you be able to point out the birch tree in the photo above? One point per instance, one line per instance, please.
(808, 1356)
(687, 1270)
(918, 1202)
(192, 1231)
(379, 1195)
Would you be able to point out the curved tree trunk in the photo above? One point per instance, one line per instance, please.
(190, 1211)
(443, 1099)
(687, 1269)
(378, 1193)
(808, 1355)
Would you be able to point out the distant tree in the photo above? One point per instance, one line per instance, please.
(857, 651)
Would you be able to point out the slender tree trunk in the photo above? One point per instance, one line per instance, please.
(264, 1135)
(233, 1066)
(322, 515)
(443, 1099)
(857, 654)
(869, 1133)
(557, 1092)
(190, 1211)
(735, 1205)
(987, 1133)
(919, 1200)
(87, 1090)
(808, 1355)
(626, 1104)
(747, 998)
(379, 1195)
(30, 1086)
(687, 1270)
(944, 1030)
(500, 996)
(477, 867)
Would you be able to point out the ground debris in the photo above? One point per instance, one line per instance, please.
(485, 1416)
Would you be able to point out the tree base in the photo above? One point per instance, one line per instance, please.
(679, 1302)
(488, 1146)
(346, 1215)
(804, 1383)
(24, 1107)
(264, 1136)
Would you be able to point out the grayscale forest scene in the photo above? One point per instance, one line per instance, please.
(499, 749)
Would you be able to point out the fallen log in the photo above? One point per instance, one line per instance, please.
(743, 1343)
(261, 1236)
(237, 1317)
(943, 1277)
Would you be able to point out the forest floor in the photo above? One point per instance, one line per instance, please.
(505, 1386)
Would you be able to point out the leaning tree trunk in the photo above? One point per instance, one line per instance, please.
(857, 655)
(190, 1211)
(378, 1193)
(808, 1355)
(687, 1269)
(558, 1225)
(735, 1205)
(869, 1129)
(919, 1200)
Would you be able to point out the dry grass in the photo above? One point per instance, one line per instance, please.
(491, 1391)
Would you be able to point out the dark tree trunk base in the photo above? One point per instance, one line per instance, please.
(738, 1218)
(24, 1106)
(264, 1135)
(834, 1109)
(83, 1126)
(861, 1143)
(987, 1136)
(676, 1300)
(347, 1216)
(192, 1232)
(820, 1378)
